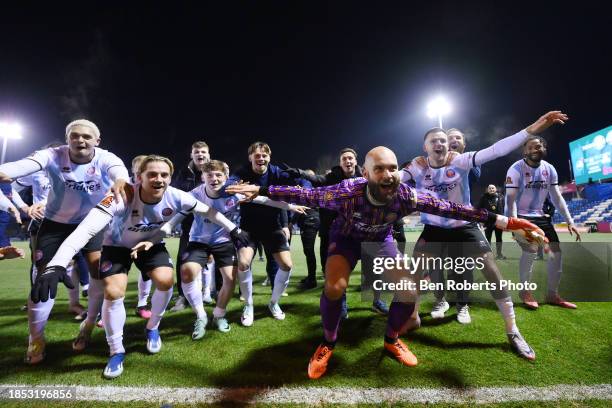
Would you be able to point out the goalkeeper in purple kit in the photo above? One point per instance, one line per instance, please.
(367, 208)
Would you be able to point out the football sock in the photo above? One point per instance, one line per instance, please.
(281, 281)
(193, 294)
(38, 314)
(506, 308)
(73, 294)
(554, 272)
(330, 315)
(526, 266)
(159, 303)
(207, 276)
(399, 315)
(245, 279)
(94, 300)
(113, 315)
(144, 290)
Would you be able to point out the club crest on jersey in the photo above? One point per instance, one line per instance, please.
(545, 173)
(91, 170)
(450, 173)
(106, 266)
(229, 203)
(38, 255)
(167, 212)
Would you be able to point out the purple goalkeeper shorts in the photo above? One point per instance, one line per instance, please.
(350, 248)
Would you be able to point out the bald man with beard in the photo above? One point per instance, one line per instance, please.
(367, 207)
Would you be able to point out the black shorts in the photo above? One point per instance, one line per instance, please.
(116, 260)
(464, 241)
(52, 234)
(273, 242)
(546, 225)
(224, 254)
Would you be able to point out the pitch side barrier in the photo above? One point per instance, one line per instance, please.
(405, 270)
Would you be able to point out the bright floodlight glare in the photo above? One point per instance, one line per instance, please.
(438, 107)
(10, 130)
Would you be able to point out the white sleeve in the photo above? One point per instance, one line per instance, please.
(500, 148)
(115, 168)
(405, 175)
(511, 210)
(5, 203)
(272, 203)
(213, 215)
(559, 203)
(21, 167)
(17, 199)
(95, 222)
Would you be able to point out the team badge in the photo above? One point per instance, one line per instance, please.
(545, 173)
(450, 173)
(91, 170)
(38, 255)
(229, 203)
(106, 266)
(167, 212)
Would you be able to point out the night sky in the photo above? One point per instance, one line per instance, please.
(308, 78)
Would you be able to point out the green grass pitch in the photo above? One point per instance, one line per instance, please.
(573, 347)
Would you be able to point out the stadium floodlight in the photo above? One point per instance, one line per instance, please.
(437, 108)
(9, 131)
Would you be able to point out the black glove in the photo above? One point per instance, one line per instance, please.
(239, 238)
(292, 171)
(45, 285)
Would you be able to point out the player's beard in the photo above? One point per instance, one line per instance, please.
(383, 194)
(536, 157)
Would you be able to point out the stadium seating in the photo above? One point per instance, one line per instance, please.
(588, 211)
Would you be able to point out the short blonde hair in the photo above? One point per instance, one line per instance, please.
(260, 145)
(155, 158)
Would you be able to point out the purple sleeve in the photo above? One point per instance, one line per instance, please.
(329, 197)
(425, 202)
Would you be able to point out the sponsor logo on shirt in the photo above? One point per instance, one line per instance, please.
(143, 227)
(442, 188)
(167, 212)
(107, 201)
(371, 229)
(134, 213)
(89, 186)
(536, 185)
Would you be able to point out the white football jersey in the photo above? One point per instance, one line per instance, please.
(75, 188)
(40, 185)
(449, 182)
(204, 230)
(139, 221)
(533, 186)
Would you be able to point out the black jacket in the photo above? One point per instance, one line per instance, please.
(188, 178)
(492, 202)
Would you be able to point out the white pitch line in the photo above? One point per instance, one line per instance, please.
(338, 395)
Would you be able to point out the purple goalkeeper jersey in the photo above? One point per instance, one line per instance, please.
(361, 220)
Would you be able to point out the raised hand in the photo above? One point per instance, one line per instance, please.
(546, 121)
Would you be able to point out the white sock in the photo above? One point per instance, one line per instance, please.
(193, 294)
(506, 308)
(144, 289)
(159, 303)
(526, 266)
(113, 315)
(218, 312)
(38, 315)
(554, 272)
(206, 280)
(94, 300)
(73, 294)
(245, 280)
(281, 282)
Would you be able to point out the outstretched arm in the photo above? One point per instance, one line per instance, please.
(510, 143)
(560, 204)
(19, 168)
